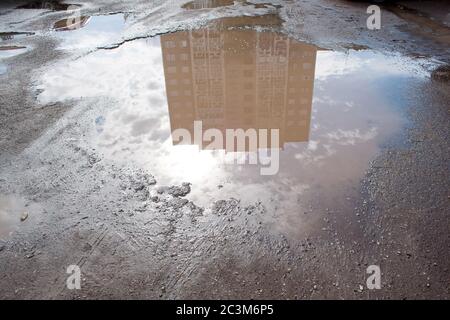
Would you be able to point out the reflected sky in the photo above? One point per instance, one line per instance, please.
(343, 107)
(11, 51)
(89, 32)
(7, 52)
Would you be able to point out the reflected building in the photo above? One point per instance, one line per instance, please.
(239, 79)
(71, 23)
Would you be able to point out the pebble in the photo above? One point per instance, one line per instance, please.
(24, 216)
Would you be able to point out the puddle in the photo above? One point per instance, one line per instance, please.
(48, 5)
(10, 51)
(90, 32)
(209, 4)
(7, 52)
(264, 5)
(6, 36)
(333, 111)
(266, 20)
(203, 4)
(71, 24)
(14, 213)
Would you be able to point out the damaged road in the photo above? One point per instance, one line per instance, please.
(90, 174)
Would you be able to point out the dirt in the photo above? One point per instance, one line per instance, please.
(78, 186)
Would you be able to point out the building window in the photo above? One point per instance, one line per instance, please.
(170, 58)
(170, 44)
(171, 69)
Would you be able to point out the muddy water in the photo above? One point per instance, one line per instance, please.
(333, 111)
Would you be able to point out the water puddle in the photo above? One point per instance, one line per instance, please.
(209, 4)
(203, 4)
(10, 51)
(7, 51)
(90, 32)
(71, 24)
(266, 20)
(14, 212)
(7, 36)
(333, 112)
(48, 5)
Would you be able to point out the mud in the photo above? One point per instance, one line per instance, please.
(90, 174)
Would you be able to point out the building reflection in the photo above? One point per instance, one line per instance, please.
(231, 79)
(71, 23)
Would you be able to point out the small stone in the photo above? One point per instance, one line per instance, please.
(24, 216)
